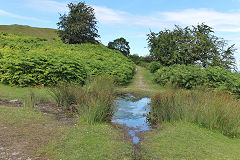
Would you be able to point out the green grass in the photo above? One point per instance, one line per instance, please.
(9, 93)
(187, 141)
(30, 31)
(148, 77)
(93, 102)
(212, 110)
(17, 116)
(90, 142)
(149, 89)
(41, 137)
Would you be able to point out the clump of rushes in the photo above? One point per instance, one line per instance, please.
(30, 100)
(65, 95)
(92, 102)
(213, 110)
(96, 105)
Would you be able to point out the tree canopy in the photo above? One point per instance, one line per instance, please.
(120, 44)
(191, 45)
(79, 25)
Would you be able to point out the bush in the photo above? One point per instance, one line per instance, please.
(213, 110)
(192, 76)
(154, 66)
(144, 64)
(180, 75)
(41, 68)
(30, 61)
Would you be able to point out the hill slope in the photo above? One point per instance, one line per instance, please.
(30, 31)
(31, 61)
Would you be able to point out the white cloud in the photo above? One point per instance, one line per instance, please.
(109, 16)
(220, 21)
(47, 5)
(8, 14)
(224, 22)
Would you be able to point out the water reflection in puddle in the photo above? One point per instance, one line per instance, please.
(132, 114)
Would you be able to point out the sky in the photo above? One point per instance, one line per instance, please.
(133, 19)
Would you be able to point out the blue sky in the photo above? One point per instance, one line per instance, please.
(133, 19)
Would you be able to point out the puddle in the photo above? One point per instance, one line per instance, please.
(132, 114)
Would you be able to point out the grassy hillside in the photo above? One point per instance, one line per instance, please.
(31, 61)
(30, 31)
(181, 140)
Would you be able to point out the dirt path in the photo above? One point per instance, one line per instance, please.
(139, 82)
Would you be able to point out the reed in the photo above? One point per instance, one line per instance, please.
(213, 110)
(93, 102)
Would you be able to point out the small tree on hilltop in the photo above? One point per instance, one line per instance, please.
(120, 44)
(79, 25)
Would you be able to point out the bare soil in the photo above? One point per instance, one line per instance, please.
(21, 141)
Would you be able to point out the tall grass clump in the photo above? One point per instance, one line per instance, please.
(93, 102)
(96, 104)
(30, 100)
(213, 110)
(65, 95)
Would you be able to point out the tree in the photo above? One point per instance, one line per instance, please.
(79, 25)
(191, 45)
(120, 44)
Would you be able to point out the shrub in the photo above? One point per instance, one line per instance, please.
(223, 79)
(30, 61)
(213, 110)
(40, 68)
(180, 75)
(192, 76)
(154, 66)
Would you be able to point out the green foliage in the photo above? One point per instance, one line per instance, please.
(120, 44)
(154, 66)
(180, 75)
(29, 61)
(79, 25)
(212, 110)
(191, 45)
(192, 76)
(93, 102)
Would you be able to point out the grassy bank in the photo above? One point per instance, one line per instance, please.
(25, 133)
(180, 140)
(30, 31)
(213, 110)
(92, 142)
(9, 93)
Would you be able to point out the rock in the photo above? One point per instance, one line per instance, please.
(15, 153)
(14, 101)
